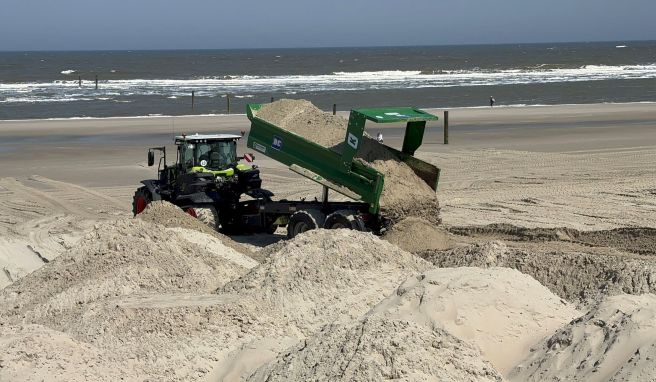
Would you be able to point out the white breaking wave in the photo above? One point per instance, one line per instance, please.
(69, 71)
(248, 85)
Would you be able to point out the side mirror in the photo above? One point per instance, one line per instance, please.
(151, 158)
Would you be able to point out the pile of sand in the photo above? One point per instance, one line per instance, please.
(119, 258)
(36, 353)
(577, 277)
(615, 341)
(139, 293)
(404, 193)
(496, 308)
(171, 216)
(418, 235)
(324, 275)
(377, 349)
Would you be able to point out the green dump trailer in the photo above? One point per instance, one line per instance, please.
(335, 169)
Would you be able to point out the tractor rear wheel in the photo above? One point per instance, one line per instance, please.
(207, 214)
(141, 200)
(344, 219)
(304, 220)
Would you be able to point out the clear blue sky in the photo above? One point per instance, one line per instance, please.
(191, 24)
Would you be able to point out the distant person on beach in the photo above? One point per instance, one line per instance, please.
(379, 137)
(492, 101)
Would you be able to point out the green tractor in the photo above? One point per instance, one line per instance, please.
(206, 180)
(209, 183)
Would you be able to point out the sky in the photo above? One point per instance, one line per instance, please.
(208, 24)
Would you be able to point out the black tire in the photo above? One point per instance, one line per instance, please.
(344, 219)
(305, 220)
(141, 200)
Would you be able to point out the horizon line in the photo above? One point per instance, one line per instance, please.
(329, 47)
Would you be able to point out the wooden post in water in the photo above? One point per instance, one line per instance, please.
(192, 99)
(79, 81)
(446, 127)
(228, 101)
(334, 108)
(271, 99)
(96, 82)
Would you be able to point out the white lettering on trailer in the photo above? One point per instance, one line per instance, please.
(259, 147)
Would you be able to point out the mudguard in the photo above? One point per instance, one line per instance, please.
(153, 187)
(260, 193)
(196, 198)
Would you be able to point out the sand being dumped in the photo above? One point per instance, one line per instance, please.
(615, 341)
(404, 193)
(415, 234)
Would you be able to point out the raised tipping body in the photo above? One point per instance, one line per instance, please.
(335, 167)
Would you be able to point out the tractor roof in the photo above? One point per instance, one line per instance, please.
(207, 137)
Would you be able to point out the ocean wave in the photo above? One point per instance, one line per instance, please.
(69, 71)
(249, 85)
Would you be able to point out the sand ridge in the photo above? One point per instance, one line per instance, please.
(376, 349)
(614, 341)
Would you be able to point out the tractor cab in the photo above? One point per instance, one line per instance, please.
(206, 176)
(210, 153)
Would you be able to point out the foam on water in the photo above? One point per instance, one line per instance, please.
(246, 85)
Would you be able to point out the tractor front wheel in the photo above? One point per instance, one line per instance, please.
(141, 200)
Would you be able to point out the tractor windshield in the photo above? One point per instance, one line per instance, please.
(217, 155)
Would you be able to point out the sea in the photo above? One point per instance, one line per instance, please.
(39, 85)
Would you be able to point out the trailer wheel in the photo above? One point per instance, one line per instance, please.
(304, 220)
(206, 214)
(141, 200)
(344, 219)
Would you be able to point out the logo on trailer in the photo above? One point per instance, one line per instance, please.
(353, 141)
(277, 142)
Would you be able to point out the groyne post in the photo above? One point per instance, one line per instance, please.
(228, 102)
(192, 99)
(334, 108)
(96, 82)
(446, 127)
(271, 99)
(79, 81)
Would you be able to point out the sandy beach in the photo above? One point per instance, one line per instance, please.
(555, 204)
(584, 166)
